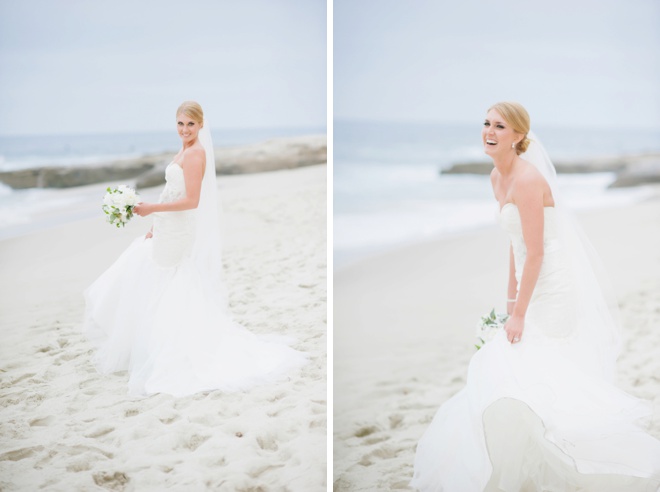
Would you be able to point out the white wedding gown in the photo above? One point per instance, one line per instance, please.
(533, 416)
(151, 314)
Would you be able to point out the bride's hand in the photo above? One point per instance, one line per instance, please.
(143, 209)
(514, 328)
(149, 235)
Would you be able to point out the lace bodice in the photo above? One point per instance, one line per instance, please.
(175, 187)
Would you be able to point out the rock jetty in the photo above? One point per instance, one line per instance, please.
(271, 155)
(631, 170)
(274, 154)
(69, 176)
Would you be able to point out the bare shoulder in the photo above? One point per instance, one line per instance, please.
(530, 186)
(194, 156)
(531, 177)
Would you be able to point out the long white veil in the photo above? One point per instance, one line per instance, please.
(206, 248)
(598, 334)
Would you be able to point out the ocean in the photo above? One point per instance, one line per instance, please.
(24, 211)
(388, 190)
(29, 151)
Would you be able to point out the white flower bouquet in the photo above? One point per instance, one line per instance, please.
(118, 204)
(488, 327)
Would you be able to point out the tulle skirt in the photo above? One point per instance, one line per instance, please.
(156, 320)
(531, 419)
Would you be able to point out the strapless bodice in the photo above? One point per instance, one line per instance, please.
(173, 231)
(175, 184)
(551, 310)
(511, 223)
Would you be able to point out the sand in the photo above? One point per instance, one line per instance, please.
(65, 427)
(404, 330)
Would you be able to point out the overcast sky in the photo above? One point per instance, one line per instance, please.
(72, 66)
(571, 63)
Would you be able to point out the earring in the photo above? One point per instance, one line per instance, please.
(513, 145)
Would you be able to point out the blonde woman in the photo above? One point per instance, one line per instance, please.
(160, 311)
(540, 411)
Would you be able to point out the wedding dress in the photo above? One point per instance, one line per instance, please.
(542, 414)
(159, 312)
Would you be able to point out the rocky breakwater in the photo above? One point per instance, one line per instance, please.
(277, 153)
(271, 155)
(630, 170)
(69, 176)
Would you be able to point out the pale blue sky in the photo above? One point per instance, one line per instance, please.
(571, 63)
(71, 66)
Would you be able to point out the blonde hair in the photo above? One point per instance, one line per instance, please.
(515, 115)
(193, 110)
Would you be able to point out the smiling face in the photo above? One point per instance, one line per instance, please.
(497, 135)
(187, 127)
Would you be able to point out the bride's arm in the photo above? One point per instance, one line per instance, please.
(528, 197)
(193, 172)
(513, 283)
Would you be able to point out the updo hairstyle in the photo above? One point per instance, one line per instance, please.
(516, 116)
(194, 111)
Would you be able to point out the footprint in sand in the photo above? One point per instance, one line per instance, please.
(131, 412)
(267, 443)
(69, 356)
(8, 401)
(44, 421)
(23, 377)
(259, 470)
(280, 410)
(365, 431)
(277, 397)
(79, 466)
(382, 453)
(111, 481)
(20, 454)
(169, 420)
(376, 439)
(99, 432)
(35, 398)
(193, 442)
(82, 449)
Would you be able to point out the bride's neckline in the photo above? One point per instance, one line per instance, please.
(511, 203)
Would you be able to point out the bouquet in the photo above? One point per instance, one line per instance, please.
(118, 204)
(488, 327)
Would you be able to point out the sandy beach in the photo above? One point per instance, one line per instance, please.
(65, 427)
(404, 331)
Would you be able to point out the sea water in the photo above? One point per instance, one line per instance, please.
(23, 211)
(388, 189)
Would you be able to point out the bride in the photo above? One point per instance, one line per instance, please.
(540, 411)
(160, 310)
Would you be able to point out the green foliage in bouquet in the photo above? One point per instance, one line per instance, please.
(488, 327)
(118, 204)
